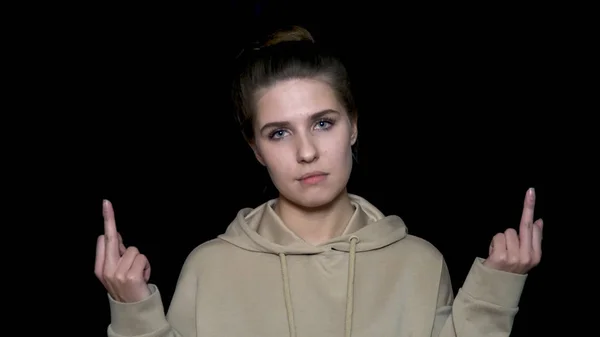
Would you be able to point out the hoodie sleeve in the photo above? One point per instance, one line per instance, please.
(486, 305)
(147, 318)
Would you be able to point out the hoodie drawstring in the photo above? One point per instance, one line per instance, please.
(288, 295)
(350, 285)
(349, 295)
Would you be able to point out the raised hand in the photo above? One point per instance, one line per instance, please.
(518, 253)
(124, 272)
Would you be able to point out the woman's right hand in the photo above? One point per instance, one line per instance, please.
(124, 272)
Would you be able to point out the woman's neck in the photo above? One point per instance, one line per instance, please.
(316, 225)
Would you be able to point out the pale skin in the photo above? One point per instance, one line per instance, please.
(124, 272)
(301, 127)
(518, 252)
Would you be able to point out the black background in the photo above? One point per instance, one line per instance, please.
(452, 107)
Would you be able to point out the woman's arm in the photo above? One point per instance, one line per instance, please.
(147, 318)
(486, 305)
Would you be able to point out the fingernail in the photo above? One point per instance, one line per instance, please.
(531, 192)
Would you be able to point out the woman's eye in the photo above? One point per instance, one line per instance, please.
(324, 124)
(277, 134)
(320, 125)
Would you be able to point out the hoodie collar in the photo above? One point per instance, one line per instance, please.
(262, 230)
(271, 227)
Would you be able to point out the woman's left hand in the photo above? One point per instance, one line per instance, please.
(518, 252)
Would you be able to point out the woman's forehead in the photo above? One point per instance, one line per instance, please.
(295, 100)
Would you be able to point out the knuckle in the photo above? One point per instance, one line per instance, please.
(501, 257)
(510, 231)
(132, 250)
(108, 277)
(133, 278)
(120, 277)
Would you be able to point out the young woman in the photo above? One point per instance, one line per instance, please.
(316, 261)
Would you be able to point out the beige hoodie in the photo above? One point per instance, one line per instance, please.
(259, 279)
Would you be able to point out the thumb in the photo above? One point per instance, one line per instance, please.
(122, 248)
(497, 248)
(147, 272)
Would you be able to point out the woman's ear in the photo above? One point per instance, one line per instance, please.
(354, 134)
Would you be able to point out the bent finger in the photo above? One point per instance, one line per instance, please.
(512, 244)
(498, 247)
(139, 267)
(537, 235)
(122, 248)
(125, 263)
(147, 271)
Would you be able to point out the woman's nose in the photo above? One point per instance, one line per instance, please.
(307, 151)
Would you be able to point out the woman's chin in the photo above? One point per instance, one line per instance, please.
(313, 199)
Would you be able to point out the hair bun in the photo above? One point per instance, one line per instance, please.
(288, 34)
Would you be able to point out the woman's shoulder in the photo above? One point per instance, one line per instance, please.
(209, 251)
(418, 247)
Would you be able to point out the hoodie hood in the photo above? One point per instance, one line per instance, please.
(261, 230)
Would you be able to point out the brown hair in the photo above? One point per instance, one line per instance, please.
(287, 53)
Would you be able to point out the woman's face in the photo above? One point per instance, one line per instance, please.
(303, 135)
